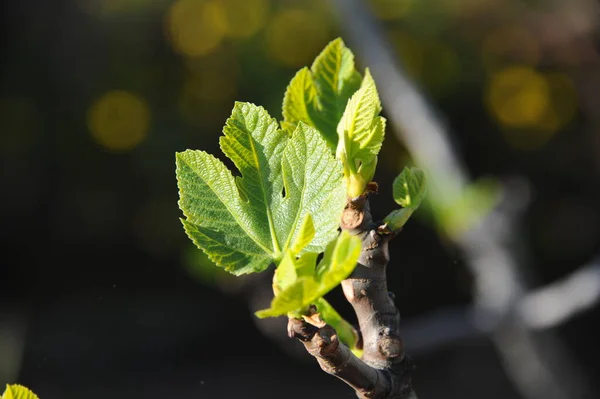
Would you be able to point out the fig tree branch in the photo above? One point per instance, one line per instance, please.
(384, 372)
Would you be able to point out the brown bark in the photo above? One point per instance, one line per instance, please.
(384, 370)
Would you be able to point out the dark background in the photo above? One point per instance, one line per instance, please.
(102, 294)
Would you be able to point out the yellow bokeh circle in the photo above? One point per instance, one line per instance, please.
(196, 27)
(518, 97)
(294, 37)
(244, 18)
(119, 120)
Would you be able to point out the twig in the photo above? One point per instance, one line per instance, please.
(336, 359)
(385, 370)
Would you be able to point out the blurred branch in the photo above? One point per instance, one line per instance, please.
(557, 302)
(543, 308)
(490, 254)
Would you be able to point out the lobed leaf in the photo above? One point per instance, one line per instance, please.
(361, 130)
(245, 223)
(17, 392)
(318, 96)
(361, 133)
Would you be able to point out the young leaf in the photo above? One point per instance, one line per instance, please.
(318, 96)
(338, 262)
(305, 235)
(246, 223)
(300, 100)
(361, 132)
(409, 189)
(285, 274)
(361, 123)
(17, 392)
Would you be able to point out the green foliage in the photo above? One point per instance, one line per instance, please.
(361, 132)
(297, 285)
(285, 206)
(17, 392)
(331, 97)
(245, 223)
(409, 190)
(318, 96)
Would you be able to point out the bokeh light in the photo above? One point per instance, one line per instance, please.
(244, 18)
(196, 27)
(119, 120)
(532, 106)
(518, 97)
(295, 36)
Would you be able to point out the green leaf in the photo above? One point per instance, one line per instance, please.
(18, 392)
(361, 125)
(318, 96)
(313, 184)
(398, 218)
(305, 235)
(285, 274)
(338, 262)
(409, 188)
(361, 132)
(306, 264)
(295, 298)
(299, 100)
(245, 223)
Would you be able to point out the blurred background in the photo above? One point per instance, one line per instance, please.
(102, 294)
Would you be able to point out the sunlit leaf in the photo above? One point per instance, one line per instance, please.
(361, 125)
(245, 223)
(361, 132)
(305, 235)
(318, 96)
(409, 188)
(18, 392)
(337, 264)
(285, 274)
